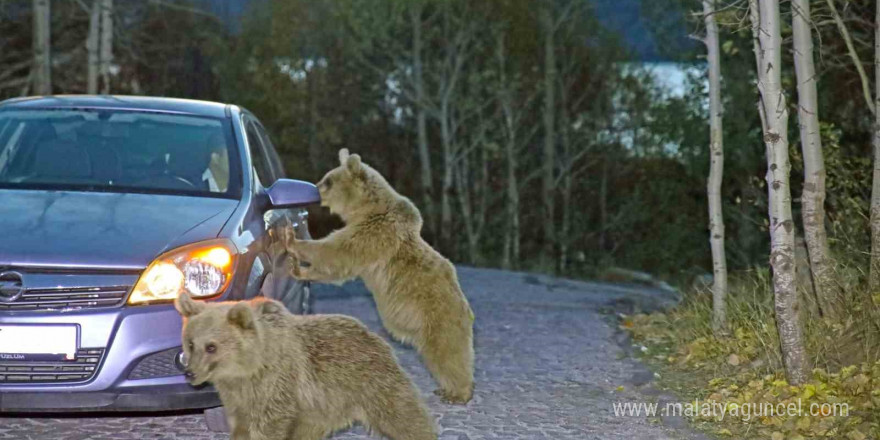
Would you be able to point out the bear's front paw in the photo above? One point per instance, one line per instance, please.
(288, 237)
(299, 268)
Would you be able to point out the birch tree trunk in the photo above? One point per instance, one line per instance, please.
(511, 117)
(567, 178)
(716, 172)
(106, 44)
(565, 242)
(549, 156)
(874, 278)
(472, 196)
(448, 73)
(42, 70)
(93, 46)
(448, 170)
(511, 239)
(419, 86)
(482, 203)
(813, 197)
(766, 24)
(603, 202)
(462, 187)
(312, 121)
(511, 196)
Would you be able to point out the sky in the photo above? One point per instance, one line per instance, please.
(625, 17)
(622, 16)
(671, 76)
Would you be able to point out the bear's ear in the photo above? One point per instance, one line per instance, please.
(343, 156)
(353, 164)
(270, 307)
(241, 315)
(187, 306)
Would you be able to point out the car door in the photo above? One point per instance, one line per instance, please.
(277, 217)
(278, 283)
(266, 174)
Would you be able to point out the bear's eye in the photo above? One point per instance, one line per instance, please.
(328, 182)
(210, 348)
(191, 346)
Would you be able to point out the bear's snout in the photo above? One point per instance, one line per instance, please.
(194, 379)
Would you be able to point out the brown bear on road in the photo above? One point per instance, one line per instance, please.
(416, 289)
(283, 376)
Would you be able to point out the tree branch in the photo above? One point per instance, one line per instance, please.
(187, 9)
(844, 32)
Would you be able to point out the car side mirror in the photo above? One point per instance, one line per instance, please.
(289, 193)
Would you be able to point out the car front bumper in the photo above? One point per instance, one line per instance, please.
(148, 398)
(136, 371)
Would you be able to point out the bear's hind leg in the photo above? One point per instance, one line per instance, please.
(406, 419)
(303, 430)
(451, 361)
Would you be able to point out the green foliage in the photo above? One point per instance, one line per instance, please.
(160, 48)
(291, 68)
(339, 73)
(645, 235)
(744, 365)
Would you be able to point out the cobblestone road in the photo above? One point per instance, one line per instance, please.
(547, 367)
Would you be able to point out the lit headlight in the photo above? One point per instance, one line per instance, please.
(202, 269)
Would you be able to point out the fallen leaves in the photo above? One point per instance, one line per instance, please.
(740, 379)
(733, 359)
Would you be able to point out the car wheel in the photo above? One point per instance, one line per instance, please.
(295, 294)
(298, 297)
(215, 418)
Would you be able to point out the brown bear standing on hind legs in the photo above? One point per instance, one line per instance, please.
(416, 289)
(282, 376)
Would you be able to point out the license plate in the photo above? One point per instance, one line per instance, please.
(35, 342)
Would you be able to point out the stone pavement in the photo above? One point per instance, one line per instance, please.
(547, 367)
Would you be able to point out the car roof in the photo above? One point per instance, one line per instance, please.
(136, 103)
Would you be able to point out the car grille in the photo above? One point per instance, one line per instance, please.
(160, 364)
(67, 298)
(30, 372)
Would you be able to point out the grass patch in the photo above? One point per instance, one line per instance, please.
(742, 370)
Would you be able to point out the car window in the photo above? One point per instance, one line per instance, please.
(11, 148)
(271, 152)
(258, 156)
(118, 151)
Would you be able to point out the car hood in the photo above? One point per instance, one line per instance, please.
(102, 230)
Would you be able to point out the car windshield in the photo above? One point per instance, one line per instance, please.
(118, 151)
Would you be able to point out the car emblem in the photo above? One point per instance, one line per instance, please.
(11, 286)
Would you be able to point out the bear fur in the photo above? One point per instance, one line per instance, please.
(415, 288)
(283, 376)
